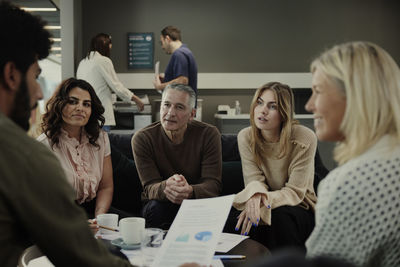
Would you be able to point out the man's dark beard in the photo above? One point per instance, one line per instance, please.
(22, 109)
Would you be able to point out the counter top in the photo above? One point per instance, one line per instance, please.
(247, 116)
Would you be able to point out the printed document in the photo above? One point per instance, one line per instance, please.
(229, 241)
(157, 69)
(195, 232)
(157, 72)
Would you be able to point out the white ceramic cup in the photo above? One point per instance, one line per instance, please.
(131, 229)
(109, 220)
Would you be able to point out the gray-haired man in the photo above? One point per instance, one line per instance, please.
(177, 158)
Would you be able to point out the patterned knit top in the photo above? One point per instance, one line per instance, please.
(358, 209)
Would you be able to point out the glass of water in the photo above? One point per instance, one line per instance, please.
(151, 242)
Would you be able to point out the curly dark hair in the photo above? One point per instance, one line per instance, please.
(24, 39)
(52, 119)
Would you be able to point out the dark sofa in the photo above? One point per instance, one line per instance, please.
(128, 189)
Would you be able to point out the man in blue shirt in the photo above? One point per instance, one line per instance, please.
(182, 67)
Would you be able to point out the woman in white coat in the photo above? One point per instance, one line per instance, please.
(98, 69)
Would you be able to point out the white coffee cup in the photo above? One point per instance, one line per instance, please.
(131, 229)
(108, 220)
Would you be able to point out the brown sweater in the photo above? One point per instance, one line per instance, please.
(198, 158)
(285, 181)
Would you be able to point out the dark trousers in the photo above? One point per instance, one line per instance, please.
(290, 227)
(160, 214)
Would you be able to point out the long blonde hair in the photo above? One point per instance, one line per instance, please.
(285, 102)
(370, 80)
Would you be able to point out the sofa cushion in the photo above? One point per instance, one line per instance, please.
(230, 150)
(123, 143)
(232, 177)
(127, 186)
(320, 171)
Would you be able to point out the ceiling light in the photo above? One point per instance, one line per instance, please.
(52, 27)
(39, 9)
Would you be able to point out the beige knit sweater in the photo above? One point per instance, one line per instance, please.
(285, 181)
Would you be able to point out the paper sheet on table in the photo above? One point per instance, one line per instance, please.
(157, 72)
(195, 232)
(229, 241)
(40, 262)
(134, 256)
(108, 236)
(156, 69)
(217, 263)
(145, 100)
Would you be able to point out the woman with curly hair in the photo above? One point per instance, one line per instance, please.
(72, 129)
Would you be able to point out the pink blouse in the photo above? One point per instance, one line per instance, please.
(82, 162)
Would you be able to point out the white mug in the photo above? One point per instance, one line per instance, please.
(131, 229)
(108, 220)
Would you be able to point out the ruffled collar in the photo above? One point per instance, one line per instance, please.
(72, 140)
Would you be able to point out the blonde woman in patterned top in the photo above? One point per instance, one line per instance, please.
(356, 103)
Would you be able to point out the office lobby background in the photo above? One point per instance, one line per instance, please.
(237, 37)
(238, 45)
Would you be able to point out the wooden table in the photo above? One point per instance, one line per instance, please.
(250, 248)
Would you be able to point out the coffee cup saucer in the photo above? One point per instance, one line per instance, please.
(119, 242)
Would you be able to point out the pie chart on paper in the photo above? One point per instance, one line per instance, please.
(203, 236)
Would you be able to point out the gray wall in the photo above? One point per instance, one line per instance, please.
(246, 36)
(243, 36)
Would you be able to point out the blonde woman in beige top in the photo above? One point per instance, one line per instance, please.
(277, 204)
